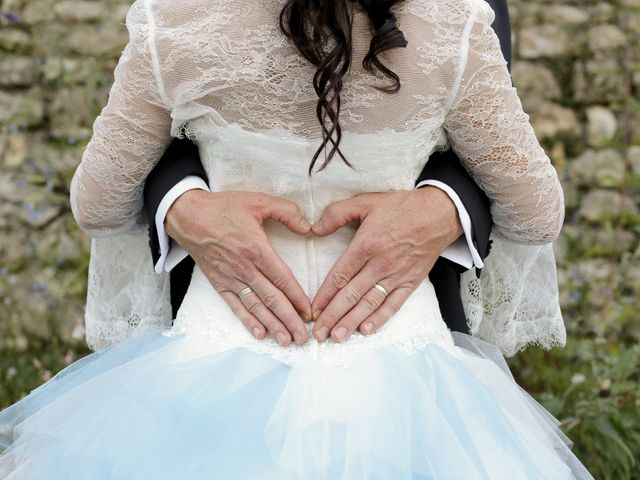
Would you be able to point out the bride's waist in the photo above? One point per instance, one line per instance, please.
(205, 317)
(311, 257)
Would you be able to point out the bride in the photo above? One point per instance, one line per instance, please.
(206, 398)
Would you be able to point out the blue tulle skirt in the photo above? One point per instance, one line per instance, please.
(145, 410)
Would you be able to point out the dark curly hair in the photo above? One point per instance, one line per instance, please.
(310, 24)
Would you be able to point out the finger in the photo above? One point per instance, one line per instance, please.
(226, 278)
(248, 320)
(279, 307)
(271, 265)
(350, 263)
(254, 305)
(340, 213)
(388, 309)
(286, 212)
(369, 303)
(344, 300)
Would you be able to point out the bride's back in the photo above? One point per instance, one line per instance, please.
(245, 94)
(229, 60)
(226, 71)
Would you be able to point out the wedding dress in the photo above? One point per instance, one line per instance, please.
(203, 398)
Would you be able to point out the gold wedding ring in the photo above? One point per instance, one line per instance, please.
(381, 288)
(245, 292)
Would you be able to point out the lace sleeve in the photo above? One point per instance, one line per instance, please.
(491, 134)
(129, 137)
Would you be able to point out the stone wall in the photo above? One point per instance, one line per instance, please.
(576, 67)
(56, 66)
(577, 70)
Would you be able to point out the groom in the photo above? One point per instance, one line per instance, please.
(177, 186)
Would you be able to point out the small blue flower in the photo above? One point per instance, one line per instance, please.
(36, 215)
(11, 17)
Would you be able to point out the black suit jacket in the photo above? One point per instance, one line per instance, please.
(182, 159)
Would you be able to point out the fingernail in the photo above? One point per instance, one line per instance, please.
(318, 225)
(340, 333)
(256, 332)
(322, 334)
(305, 224)
(299, 338)
(368, 328)
(281, 338)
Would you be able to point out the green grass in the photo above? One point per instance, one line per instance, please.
(593, 387)
(27, 364)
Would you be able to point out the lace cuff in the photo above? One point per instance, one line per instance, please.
(515, 302)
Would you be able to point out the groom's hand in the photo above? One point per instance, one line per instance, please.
(400, 237)
(222, 231)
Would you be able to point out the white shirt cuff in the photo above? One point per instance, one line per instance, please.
(171, 253)
(462, 251)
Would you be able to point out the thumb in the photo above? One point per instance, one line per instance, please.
(340, 213)
(288, 213)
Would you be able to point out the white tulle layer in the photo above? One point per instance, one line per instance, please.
(149, 409)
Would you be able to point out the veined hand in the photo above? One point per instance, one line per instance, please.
(222, 231)
(400, 237)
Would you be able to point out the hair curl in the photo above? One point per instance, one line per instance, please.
(309, 24)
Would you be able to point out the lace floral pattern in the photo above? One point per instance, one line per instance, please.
(129, 136)
(219, 66)
(205, 316)
(124, 295)
(515, 302)
(496, 143)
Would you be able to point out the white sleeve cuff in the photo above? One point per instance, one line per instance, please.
(462, 251)
(171, 253)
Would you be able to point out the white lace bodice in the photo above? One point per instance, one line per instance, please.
(223, 70)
